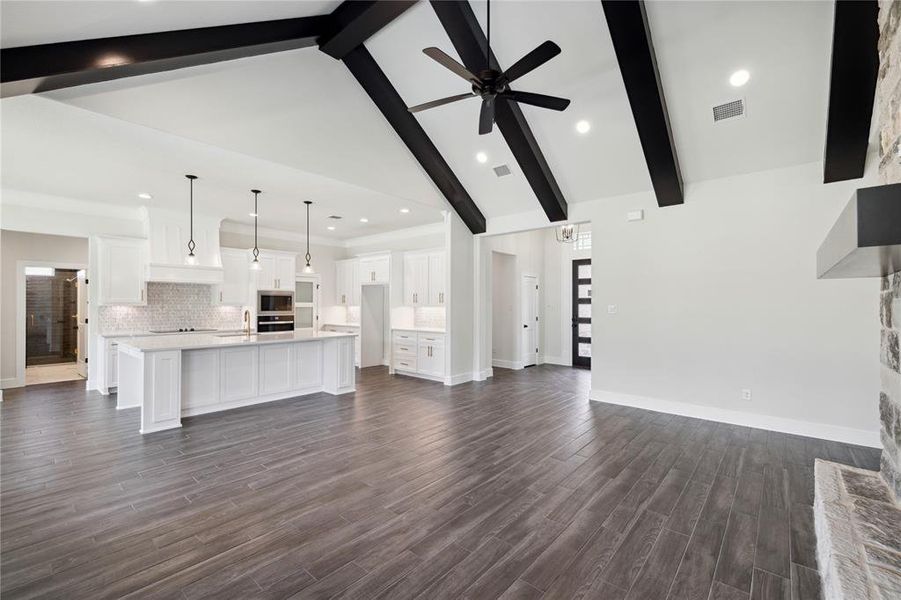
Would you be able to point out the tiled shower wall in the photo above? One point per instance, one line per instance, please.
(51, 328)
(170, 306)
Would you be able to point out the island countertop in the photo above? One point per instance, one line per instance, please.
(197, 341)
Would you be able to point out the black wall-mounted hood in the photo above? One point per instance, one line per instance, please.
(866, 239)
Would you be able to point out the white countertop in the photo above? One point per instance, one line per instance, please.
(419, 329)
(195, 341)
(142, 333)
(356, 325)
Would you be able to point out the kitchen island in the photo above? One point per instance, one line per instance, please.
(173, 376)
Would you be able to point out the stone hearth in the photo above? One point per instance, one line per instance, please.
(858, 528)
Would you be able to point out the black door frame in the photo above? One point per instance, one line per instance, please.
(579, 361)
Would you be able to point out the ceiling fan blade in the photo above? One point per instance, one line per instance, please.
(442, 101)
(486, 115)
(551, 102)
(447, 62)
(530, 61)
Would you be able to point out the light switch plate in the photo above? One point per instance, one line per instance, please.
(635, 215)
(611, 309)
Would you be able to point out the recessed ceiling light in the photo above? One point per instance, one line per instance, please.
(481, 157)
(405, 210)
(331, 227)
(739, 78)
(252, 214)
(364, 220)
(583, 127)
(144, 196)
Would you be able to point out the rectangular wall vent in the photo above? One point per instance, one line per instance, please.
(502, 170)
(728, 110)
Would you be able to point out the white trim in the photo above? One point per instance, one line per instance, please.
(11, 382)
(20, 307)
(507, 364)
(458, 378)
(393, 236)
(277, 234)
(483, 374)
(556, 360)
(824, 431)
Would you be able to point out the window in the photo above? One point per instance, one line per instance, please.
(584, 241)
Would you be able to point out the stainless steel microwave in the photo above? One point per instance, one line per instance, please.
(270, 302)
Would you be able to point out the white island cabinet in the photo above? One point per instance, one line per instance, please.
(171, 377)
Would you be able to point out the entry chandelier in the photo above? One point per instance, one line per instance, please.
(567, 234)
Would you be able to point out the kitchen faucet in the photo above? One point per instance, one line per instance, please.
(246, 322)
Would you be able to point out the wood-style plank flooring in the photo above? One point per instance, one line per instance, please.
(515, 488)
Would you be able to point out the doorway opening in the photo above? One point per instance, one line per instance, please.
(581, 323)
(55, 311)
(372, 325)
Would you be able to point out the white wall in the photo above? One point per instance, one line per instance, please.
(720, 294)
(18, 246)
(460, 301)
(503, 320)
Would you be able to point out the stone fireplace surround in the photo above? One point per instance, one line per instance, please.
(858, 513)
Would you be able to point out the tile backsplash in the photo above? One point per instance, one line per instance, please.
(170, 306)
(429, 316)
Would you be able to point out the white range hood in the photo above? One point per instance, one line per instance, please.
(168, 233)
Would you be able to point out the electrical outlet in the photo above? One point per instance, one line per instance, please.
(746, 395)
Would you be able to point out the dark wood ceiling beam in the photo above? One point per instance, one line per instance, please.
(354, 21)
(376, 84)
(628, 24)
(30, 69)
(852, 88)
(468, 39)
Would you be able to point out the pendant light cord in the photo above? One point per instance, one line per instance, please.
(191, 244)
(256, 213)
(488, 37)
(308, 256)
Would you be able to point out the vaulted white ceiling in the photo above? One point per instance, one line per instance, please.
(298, 123)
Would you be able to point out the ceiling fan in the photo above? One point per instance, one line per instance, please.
(491, 84)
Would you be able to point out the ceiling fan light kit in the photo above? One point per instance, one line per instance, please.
(489, 84)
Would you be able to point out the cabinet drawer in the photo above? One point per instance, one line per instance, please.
(405, 363)
(405, 347)
(405, 338)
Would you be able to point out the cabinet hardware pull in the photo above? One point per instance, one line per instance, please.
(220, 296)
(142, 295)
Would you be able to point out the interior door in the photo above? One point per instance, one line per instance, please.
(81, 343)
(529, 306)
(581, 320)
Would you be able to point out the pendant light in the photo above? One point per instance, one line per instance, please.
(567, 234)
(308, 269)
(190, 259)
(255, 263)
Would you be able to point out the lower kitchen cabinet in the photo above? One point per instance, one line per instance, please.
(417, 353)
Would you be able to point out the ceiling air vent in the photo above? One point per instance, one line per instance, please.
(336, 217)
(502, 170)
(729, 110)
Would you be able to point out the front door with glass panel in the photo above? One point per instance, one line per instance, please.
(306, 304)
(582, 313)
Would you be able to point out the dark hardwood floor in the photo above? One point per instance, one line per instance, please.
(518, 487)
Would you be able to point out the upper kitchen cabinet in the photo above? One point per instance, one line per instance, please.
(121, 263)
(235, 286)
(347, 282)
(375, 269)
(278, 270)
(424, 278)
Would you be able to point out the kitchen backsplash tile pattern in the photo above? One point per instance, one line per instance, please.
(429, 316)
(170, 306)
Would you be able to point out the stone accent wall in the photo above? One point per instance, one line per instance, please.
(888, 123)
(170, 306)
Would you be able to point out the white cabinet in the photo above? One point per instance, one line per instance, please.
(354, 329)
(112, 365)
(424, 278)
(436, 278)
(277, 271)
(418, 353)
(275, 368)
(307, 366)
(235, 286)
(121, 264)
(239, 374)
(347, 282)
(375, 269)
(199, 378)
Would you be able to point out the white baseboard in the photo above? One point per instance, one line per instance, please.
(483, 374)
(458, 378)
(11, 382)
(837, 433)
(556, 360)
(506, 364)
